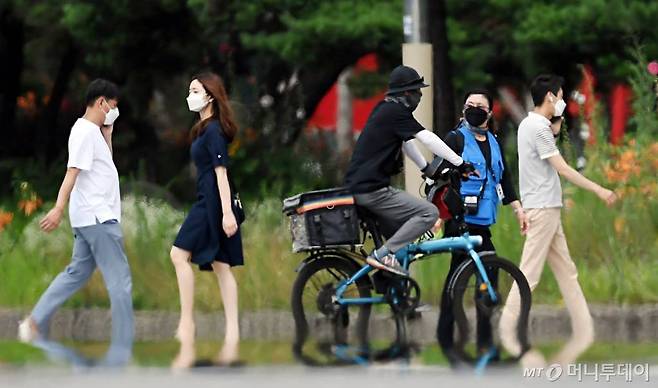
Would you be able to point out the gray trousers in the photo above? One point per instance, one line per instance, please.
(402, 217)
(101, 246)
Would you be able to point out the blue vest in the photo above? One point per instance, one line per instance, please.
(483, 186)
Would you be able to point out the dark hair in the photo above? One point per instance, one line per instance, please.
(543, 84)
(492, 123)
(221, 109)
(101, 88)
(481, 91)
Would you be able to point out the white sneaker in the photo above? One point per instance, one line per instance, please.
(26, 331)
(423, 308)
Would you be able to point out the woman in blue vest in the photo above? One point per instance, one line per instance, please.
(474, 141)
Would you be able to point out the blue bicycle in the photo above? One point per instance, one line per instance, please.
(335, 294)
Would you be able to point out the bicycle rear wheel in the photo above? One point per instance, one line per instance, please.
(474, 308)
(322, 327)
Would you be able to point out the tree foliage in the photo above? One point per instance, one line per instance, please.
(278, 58)
(513, 40)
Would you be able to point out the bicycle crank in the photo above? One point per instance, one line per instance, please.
(403, 295)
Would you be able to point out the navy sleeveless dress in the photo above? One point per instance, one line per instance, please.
(202, 232)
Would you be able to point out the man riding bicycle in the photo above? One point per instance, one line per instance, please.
(390, 131)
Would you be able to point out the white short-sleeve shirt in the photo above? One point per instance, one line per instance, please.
(95, 196)
(539, 182)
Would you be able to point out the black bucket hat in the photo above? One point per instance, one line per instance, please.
(404, 78)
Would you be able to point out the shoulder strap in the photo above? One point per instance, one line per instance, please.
(459, 141)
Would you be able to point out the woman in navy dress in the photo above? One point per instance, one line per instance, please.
(210, 235)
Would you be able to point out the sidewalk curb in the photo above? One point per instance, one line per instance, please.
(633, 324)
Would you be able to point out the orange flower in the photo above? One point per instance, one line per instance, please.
(649, 189)
(612, 175)
(653, 149)
(174, 136)
(29, 206)
(28, 102)
(627, 156)
(625, 167)
(250, 134)
(5, 219)
(619, 225)
(234, 147)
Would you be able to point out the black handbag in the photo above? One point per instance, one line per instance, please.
(238, 211)
(236, 203)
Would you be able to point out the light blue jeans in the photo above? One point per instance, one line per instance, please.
(101, 246)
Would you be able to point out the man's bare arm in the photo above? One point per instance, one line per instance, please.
(573, 176)
(51, 221)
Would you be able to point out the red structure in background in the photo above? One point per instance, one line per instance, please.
(586, 89)
(620, 106)
(620, 111)
(499, 112)
(325, 114)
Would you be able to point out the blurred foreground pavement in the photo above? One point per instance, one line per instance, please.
(392, 375)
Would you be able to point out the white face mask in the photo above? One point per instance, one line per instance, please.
(559, 107)
(196, 102)
(111, 115)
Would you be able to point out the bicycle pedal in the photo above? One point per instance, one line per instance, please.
(417, 312)
(414, 315)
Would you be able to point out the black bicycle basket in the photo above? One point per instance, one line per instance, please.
(323, 218)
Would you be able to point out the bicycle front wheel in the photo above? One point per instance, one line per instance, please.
(476, 311)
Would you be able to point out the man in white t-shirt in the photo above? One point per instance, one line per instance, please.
(540, 165)
(92, 185)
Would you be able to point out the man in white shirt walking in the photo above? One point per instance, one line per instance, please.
(92, 185)
(540, 163)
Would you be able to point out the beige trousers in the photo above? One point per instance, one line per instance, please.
(546, 241)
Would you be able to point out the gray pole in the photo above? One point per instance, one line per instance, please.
(417, 53)
(415, 21)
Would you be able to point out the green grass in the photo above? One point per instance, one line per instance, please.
(16, 353)
(267, 353)
(149, 229)
(151, 353)
(615, 266)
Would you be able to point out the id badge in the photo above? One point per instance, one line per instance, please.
(499, 191)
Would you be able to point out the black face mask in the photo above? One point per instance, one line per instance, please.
(413, 99)
(475, 116)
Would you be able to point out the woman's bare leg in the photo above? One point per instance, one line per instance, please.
(186, 354)
(229, 290)
(185, 276)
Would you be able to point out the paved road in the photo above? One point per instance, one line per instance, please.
(292, 377)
